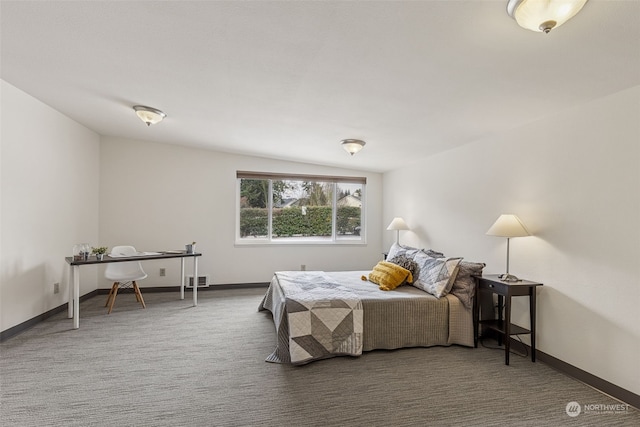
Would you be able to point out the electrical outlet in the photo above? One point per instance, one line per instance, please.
(56, 288)
(303, 267)
(163, 272)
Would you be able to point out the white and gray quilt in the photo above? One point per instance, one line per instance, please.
(315, 317)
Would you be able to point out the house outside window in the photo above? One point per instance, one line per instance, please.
(308, 209)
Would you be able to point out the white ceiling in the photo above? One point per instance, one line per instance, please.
(290, 79)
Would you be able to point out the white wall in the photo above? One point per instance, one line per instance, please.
(49, 202)
(157, 196)
(574, 180)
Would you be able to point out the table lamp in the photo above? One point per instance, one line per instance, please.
(508, 226)
(398, 224)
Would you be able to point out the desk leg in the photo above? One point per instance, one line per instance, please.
(72, 273)
(76, 297)
(507, 329)
(182, 278)
(195, 281)
(532, 319)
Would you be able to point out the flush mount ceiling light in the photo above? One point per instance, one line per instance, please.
(352, 146)
(543, 15)
(149, 115)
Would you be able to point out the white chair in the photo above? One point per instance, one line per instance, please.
(124, 275)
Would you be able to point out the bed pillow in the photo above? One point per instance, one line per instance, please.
(407, 263)
(399, 250)
(433, 254)
(464, 287)
(389, 276)
(435, 275)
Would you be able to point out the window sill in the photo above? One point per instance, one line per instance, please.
(299, 242)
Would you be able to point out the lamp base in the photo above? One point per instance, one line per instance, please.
(508, 278)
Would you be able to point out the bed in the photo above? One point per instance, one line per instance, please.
(318, 315)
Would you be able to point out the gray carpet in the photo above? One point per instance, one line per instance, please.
(176, 365)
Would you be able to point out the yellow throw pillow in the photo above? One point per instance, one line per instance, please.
(389, 276)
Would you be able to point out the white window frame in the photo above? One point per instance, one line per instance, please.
(336, 180)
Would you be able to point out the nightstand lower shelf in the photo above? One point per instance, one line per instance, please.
(499, 326)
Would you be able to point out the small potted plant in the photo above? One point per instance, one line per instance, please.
(190, 248)
(99, 252)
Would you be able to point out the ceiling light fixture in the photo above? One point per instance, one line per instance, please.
(149, 115)
(352, 146)
(543, 15)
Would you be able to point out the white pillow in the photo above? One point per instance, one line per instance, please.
(399, 250)
(435, 275)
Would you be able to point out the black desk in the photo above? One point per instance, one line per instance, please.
(74, 277)
(506, 290)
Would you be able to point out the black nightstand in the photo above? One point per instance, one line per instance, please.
(506, 290)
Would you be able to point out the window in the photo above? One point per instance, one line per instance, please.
(282, 208)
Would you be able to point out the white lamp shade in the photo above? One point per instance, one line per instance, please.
(543, 15)
(398, 224)
(508, 225)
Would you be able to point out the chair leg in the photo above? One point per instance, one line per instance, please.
(114, 286)
(138, 294)
(113, 297)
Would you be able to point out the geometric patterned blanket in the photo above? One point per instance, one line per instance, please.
(324, 319)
